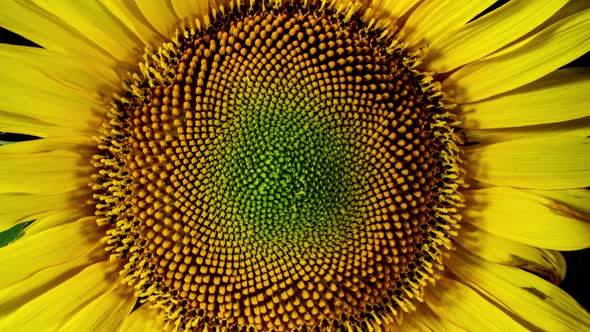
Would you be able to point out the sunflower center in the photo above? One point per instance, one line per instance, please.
(284, 176)
(278, 167)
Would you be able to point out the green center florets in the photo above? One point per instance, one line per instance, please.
(288, 177)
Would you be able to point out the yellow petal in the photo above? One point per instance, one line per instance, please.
(105, 313)
(17, 294)
(141, 320)
(55, 306)
(190, 8)
(73, 143)
(45, 221)
(424, 320)
(528, 218)
(42, 173)
(26, 91)
(433, 20)
(484, 137)
(539, 161)
(45, 166)
(94, 22)
(15, 123)
(160, 14)
(489, 33)
(52, 246)
(396, 8)
(461, 305)
(47, 31)
(559, 96)
(535, 57)
(19, 207)
(49, 70)
(129, 15)
(571, 8)
(533, 300)
(497, 249)
(577, 199)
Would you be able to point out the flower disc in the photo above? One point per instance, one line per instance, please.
(278, 166)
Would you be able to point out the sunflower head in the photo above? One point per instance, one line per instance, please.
(279, 166)
(272, 165)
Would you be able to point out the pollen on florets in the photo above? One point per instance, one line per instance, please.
(279, 166)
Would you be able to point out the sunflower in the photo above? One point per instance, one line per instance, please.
(309, 165)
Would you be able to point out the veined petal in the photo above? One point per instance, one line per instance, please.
(46, 110)
(489, 33)
(485, 137)
(190, 8)
(45, 166)
(47, 220)
(48, 30)
(524, 217)
(572, 7)
(72, 143)
(508, 252)
(17, 207)
(424, 320)
(29, 92)
(535, 103)
(433, 20)
(105, 313)
(535, 301)
(17, 294)
(465, 308)
(94, 22)
(15, 123)
(577, 199)
(160, 14)
(535, 57)
(89, 78)
(396, 8)
(543, 160)
(41, 173)
(52, 308)
(141, 320)
(52, 246)
(130, 15)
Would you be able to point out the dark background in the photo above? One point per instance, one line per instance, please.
(577, 278)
